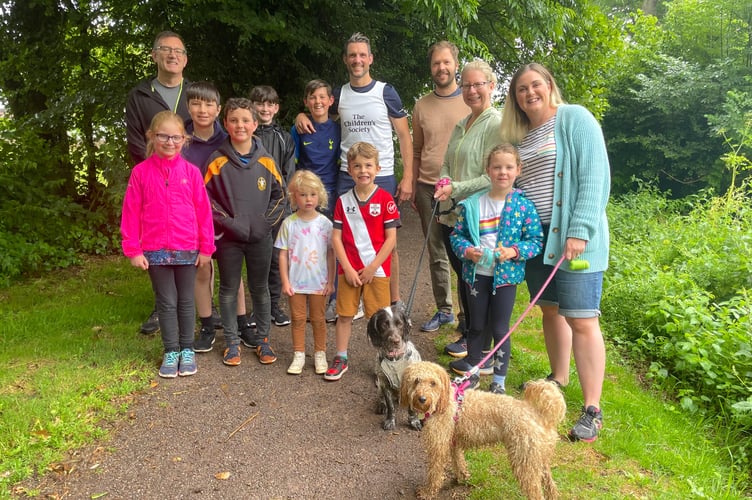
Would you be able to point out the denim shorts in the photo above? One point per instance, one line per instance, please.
(577, 294)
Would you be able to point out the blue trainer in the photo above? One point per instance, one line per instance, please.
(433, 324)
(457, 349)
(187, 363)
(169, 368)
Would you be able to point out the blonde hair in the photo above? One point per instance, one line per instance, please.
(504, 148)
(514, 122)
(305, 179)
(156, 122)
(479, 65)
(364, 149)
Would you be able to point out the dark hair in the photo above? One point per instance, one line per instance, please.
(203, 91)
(264, 93)
(358, 37)
(314, 85)
(234, 103)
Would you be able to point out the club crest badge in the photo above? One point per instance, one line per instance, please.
(261, 183)
(374, 209)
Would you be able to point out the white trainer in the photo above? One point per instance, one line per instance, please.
(320, 364)
(298, 362)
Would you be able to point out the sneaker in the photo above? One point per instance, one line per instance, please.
(298, 362)
(457, 349)
(187, 364)
(331, 311)
(319, 362)
(279, 317)
(205, 340)
(169, 368)
(473, 381)
(338, 368)
(252, 320)
(433, 324)
(460, 366)
(151, 325)
(248, 336)
(587, 427)
(496, 388)
(487, 368)
(549, 378)
(232, 355)
(216, 318)
(265, 353)
(360, 312)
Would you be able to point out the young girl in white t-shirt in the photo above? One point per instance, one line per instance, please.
(306, 266)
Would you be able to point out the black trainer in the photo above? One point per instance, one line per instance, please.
(205, 340)
(151, 325)
(248, 335)
(279, 317)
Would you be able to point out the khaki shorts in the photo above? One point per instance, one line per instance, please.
(375, 296)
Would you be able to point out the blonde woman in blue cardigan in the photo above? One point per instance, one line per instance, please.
(567, 176)
(497, 230)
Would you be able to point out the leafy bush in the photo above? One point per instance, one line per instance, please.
(677, 297)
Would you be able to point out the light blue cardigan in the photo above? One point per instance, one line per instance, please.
(581, 188)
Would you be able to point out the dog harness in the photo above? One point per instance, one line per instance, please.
(394, 367)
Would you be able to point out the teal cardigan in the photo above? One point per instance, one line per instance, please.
(581, 188)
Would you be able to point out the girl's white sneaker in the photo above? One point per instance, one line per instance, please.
(298, 362)
(320, 364)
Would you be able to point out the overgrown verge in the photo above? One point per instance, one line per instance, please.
(677, 296)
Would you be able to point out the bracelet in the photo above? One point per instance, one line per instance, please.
(444, 181)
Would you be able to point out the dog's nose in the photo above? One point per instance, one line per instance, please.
(422, 399)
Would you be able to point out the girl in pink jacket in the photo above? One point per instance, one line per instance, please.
(167, 230)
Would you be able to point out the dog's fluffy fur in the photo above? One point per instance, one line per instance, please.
(527, 428)
(388, 331)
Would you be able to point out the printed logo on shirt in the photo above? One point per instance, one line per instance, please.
(351, 209)
(261, 183)
(307, 143)
(374, 209)
(391, 208)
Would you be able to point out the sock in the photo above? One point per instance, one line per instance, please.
(242, 321)
(207, 322)
(342, 354)
(500, 379)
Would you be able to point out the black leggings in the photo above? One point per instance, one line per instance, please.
(456, 264)
(490, 313)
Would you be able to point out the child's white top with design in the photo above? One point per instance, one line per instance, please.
(307, 243)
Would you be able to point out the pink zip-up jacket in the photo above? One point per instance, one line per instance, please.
(166, 207)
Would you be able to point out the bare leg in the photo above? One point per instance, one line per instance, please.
(558, 337)
(394, 288)
(202, 292)
(342, 332)
(241, 299)
(589, 357)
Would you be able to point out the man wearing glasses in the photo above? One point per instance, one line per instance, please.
(166, 91)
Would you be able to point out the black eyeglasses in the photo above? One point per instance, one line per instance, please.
(164, 49)
(165, 138)
(475, 86)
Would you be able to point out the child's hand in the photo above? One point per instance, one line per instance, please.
(203, 260)
(353, 277)
(366, 274)
(328, 289)
(140, 262)
(473, 254)
(287, 289)
(504, 253)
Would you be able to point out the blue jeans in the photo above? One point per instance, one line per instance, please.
(257, 257)
(577, 294)
(173, 291)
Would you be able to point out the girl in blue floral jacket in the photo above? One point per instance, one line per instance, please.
(496, 232)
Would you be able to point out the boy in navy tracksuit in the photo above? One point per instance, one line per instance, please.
(278, 142)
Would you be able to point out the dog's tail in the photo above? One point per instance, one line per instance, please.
(548, 401)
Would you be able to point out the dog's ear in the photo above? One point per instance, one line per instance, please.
(444, 389)
(405, 323)
(405, 385)
(371, 331)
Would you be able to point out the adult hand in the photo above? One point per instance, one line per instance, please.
(405, 190)
(443, 193)
(140, 262)
(574, 248)
(303, 124)
(473, 254)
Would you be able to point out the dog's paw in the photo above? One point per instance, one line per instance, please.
(389, 424)
(425, 493)
(415, 423)
(380, 408)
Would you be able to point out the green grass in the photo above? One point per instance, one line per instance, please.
(69, 359)
(70, 362)
(647, 449)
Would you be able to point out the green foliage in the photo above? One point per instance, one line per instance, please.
(677, 296)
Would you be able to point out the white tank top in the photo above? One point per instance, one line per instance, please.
(364, 117)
